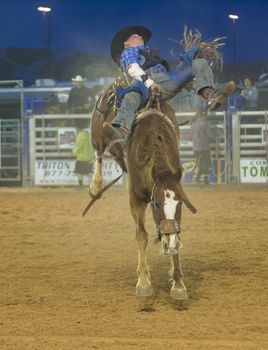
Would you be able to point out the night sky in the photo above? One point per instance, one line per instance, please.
(89, 25)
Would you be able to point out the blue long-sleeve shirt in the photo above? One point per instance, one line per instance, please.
(132, 55)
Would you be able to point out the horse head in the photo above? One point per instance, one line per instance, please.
(167, 197)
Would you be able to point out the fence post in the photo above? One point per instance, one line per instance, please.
(236, 118)
(231, 108)
(32, 147)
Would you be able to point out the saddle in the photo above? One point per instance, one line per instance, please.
(105, 111)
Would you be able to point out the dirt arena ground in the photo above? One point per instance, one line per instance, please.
(69, 283)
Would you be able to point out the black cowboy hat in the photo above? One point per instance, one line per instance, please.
(117, 45)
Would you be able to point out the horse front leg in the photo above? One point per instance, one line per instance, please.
(143, 286)
(96, 183)
(178, 289)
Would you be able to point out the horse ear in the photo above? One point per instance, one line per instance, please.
(189, 205)
(186, 201)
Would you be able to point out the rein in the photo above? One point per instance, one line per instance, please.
(111, 95)
(99, 194)
(107, 103)
(153, 205)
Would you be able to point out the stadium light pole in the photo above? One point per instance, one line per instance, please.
(234, 18)
(46, 9)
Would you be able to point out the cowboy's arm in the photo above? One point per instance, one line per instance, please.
(130, 62)
(191, 53)
(136, 72)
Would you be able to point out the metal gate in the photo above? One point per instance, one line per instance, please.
(250, 151)
(218, 144)
(12, 168)
(10, 150)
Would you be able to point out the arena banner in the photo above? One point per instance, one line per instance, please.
(253, 170)
(217, 171)
(61, 172)
(186, 136)
(66, 138)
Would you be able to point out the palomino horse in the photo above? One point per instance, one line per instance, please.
(154, 173)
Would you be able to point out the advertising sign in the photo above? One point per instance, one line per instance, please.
(61, 172)
(186, 136)
(66, 137)
(253, 171)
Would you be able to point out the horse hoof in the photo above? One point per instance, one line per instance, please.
(179, 294)
(144, 291)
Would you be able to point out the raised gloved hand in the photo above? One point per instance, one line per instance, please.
(155, 90)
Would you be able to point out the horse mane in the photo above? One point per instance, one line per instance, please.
(154, 144)
(103, 111)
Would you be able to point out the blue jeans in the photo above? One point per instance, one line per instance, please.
(171, 83)
(127, 111)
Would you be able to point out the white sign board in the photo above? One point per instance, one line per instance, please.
(253, 171)
(61, 172)
(66, 137)
(186, 136)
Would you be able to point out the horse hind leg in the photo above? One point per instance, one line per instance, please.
(178, 289)
(143, 286)
(96, 183)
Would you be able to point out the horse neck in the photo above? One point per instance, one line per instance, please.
(152, 152)
(162, 166)
(166, 158)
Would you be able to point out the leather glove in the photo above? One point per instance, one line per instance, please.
(155, 90)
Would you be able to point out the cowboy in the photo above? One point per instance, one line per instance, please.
(152, 75)
(201, 136)
(80, 99)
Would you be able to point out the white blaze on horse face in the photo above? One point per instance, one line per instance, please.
(170, 204)
(173, 241)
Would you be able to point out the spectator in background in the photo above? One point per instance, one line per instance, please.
(80, 98)
(53, 103)
(250, 94)
(201, 147)
(83, 152)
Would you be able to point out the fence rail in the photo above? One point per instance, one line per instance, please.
(250, 146)
(248, 140)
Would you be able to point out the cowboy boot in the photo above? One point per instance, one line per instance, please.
(115, 139)
(215, 97)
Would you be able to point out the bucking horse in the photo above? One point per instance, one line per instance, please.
(152, 163)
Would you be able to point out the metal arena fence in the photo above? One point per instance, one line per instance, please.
(239, 149)
(35, 149)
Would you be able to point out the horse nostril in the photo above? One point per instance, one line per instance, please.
(172, 251)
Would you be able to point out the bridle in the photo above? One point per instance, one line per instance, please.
(165, 226)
